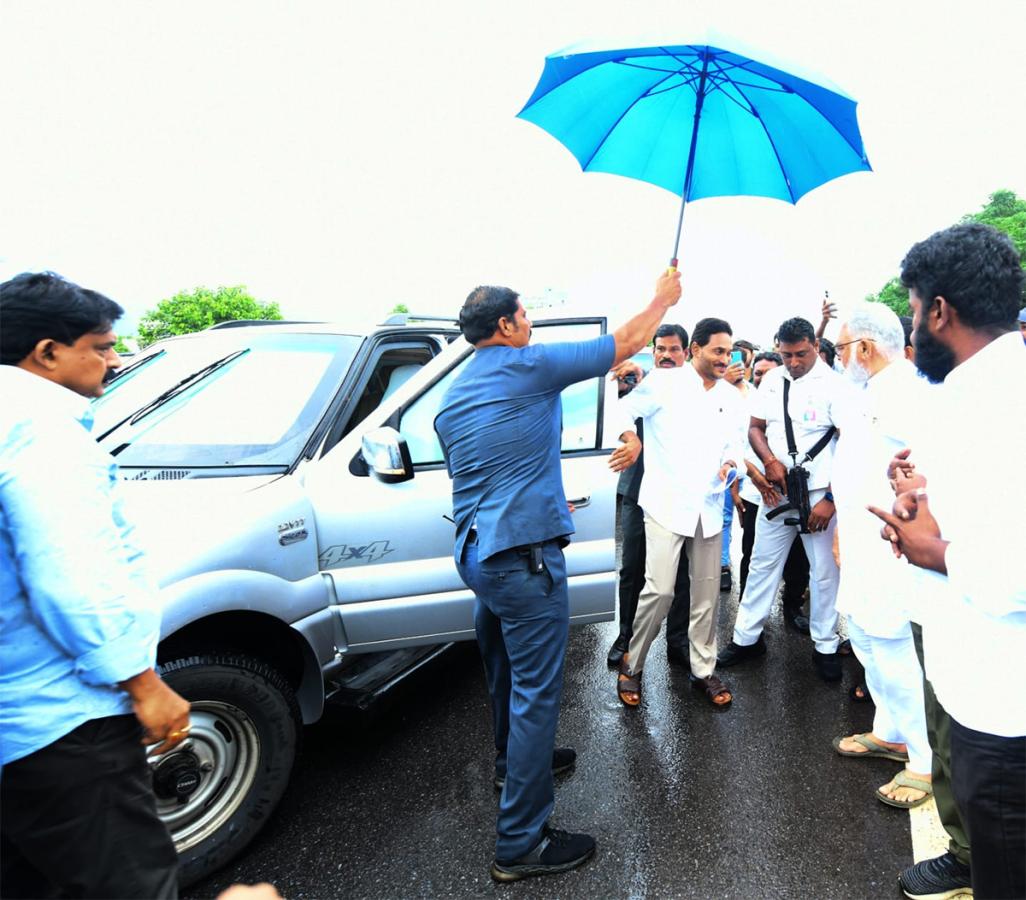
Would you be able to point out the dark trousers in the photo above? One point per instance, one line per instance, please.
(988, 777)
(522, 621)
(632, 580)
(938, 733)
(78, 819)
(796, 569)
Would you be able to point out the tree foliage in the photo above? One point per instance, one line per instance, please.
(1004, 210)
(189, 311)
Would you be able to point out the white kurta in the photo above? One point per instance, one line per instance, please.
(875, 587)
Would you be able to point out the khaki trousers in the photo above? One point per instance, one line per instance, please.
(662, 556)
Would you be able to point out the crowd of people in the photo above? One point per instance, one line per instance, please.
(857, 471)
(870, 455)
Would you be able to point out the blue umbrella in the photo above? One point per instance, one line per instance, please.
(699, 120)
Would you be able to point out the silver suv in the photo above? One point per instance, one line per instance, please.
(293, 502)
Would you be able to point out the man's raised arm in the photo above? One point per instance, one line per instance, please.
(636, 333)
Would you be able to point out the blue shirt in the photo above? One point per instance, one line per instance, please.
(500, 425)
(77, 613)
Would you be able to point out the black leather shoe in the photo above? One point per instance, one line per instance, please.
(725, 580)
(557, 851)
(563, 760)
(678, 655)
(615, 655)
(798, 623)
(828, 664)
(733, 653)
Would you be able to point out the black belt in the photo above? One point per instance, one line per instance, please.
(522, 548)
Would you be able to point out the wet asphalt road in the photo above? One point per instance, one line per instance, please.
(684, 800)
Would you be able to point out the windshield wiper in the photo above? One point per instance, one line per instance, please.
(136, 364)
(174, 391)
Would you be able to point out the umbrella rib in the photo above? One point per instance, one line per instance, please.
(630, 65)
(740, 105)
(619, 119)
(769, 137)
(746, 66)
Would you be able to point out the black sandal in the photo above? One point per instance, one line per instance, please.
(859, 693)
(713, 688)
(628, 684)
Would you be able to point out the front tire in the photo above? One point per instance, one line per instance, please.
(217, 789)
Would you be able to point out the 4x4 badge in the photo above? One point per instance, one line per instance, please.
(335, 556)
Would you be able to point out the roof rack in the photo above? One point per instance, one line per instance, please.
(407, 318)
(239, 323)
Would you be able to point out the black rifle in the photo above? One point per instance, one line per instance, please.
(797, 479)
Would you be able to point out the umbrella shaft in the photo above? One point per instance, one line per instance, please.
(690, 171)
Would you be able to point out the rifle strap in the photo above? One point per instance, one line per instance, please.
(791, 448)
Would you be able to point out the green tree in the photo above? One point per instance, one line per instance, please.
(189, 311)
(1004, 210)
(895, 295)
(1007, 213)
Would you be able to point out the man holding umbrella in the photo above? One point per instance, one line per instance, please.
(499, 427)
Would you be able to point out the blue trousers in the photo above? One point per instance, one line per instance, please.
(522, 622)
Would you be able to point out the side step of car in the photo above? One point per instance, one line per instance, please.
(367, 676)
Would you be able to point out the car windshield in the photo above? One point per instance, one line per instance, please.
(222, 399)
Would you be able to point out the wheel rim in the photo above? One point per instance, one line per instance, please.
(205, 779)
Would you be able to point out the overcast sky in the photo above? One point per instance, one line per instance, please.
(351, 155)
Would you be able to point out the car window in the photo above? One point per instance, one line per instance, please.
(391, 370)
(581, 402)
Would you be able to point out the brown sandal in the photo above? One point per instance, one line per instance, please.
(718, 694)
(628, 687)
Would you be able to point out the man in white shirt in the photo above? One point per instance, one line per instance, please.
(874, 591)
(965, 538)
(693, 428)
(756, 491)
(816, 394)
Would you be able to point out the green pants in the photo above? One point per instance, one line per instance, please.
(938, 732)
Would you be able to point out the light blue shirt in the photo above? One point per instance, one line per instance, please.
(77, 612)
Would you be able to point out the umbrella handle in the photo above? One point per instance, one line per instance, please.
(672, 267)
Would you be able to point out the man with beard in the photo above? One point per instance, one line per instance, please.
(964, 540)
(670, 351)
(874, 592)
(693, 422)
(813, 396)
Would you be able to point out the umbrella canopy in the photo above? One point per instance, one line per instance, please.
(697, 119)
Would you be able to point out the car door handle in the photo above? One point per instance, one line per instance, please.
(581, 502)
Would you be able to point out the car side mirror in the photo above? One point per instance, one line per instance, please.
(386, 454)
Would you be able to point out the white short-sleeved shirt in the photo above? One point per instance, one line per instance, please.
(817, 400)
